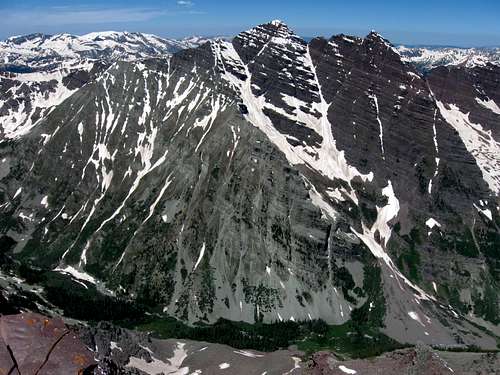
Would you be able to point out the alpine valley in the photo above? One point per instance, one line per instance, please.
(339, 194)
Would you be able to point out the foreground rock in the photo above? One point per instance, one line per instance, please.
(33, 344)
(421, 360)
(123, 351)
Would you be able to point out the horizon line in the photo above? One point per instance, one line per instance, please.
(306, 38)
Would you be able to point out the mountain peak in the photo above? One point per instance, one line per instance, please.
(278, 23)
(376, 36)
(26, 38)
(250, 43)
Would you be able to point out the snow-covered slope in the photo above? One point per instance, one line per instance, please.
(426, 58)
(196, 40)
(41, 71)
(40, 51)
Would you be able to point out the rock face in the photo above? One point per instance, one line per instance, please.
(25, 99)
(420, 360)
(268, 178)
(34, 344)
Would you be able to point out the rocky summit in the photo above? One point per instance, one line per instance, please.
(263, 179)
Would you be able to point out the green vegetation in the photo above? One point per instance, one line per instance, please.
(346, 340)
(452, 293)
(360, 337)
(462, 243)
(409, 260)
(79, 302)
(423, 171)
(309, 336)
(262, 297)
(344, 280)
(369, 199)
(486, 305)
(259, 336)
(489, 242)
(207, 293)
(370, 316)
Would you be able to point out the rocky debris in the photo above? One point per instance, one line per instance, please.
(420, 360)
(123, 351)
(472, 363)
(35, 344)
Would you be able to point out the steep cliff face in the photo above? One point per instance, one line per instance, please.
(269, 179)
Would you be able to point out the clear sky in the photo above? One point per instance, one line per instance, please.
(444, 22)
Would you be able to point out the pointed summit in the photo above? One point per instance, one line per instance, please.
(278, 23)
(377, 37)
(279, 26)
(275, 33)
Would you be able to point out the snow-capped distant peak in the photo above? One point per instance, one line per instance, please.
(277, 23)
(40, 51)
(427, 58)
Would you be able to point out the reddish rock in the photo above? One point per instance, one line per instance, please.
(34, 344)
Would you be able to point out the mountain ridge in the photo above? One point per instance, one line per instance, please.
(425, 57)
(271, 179)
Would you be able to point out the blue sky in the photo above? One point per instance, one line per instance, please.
(457, 22)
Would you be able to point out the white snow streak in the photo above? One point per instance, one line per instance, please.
(436, 147)
(200, 256)
(381, 128)
(489, 104)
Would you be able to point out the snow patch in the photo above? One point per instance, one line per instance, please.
(489, 104)
(80, 275)
(157, 366)
(45, 201)
(416, 317)
(347, 370)
(247, 353)
(479, 142)
(431, 223)
(486, 212)
(200, 256)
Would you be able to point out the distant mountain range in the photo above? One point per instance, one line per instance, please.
(427, 58)
(42, 52)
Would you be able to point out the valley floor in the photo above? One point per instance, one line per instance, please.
(33, 343)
